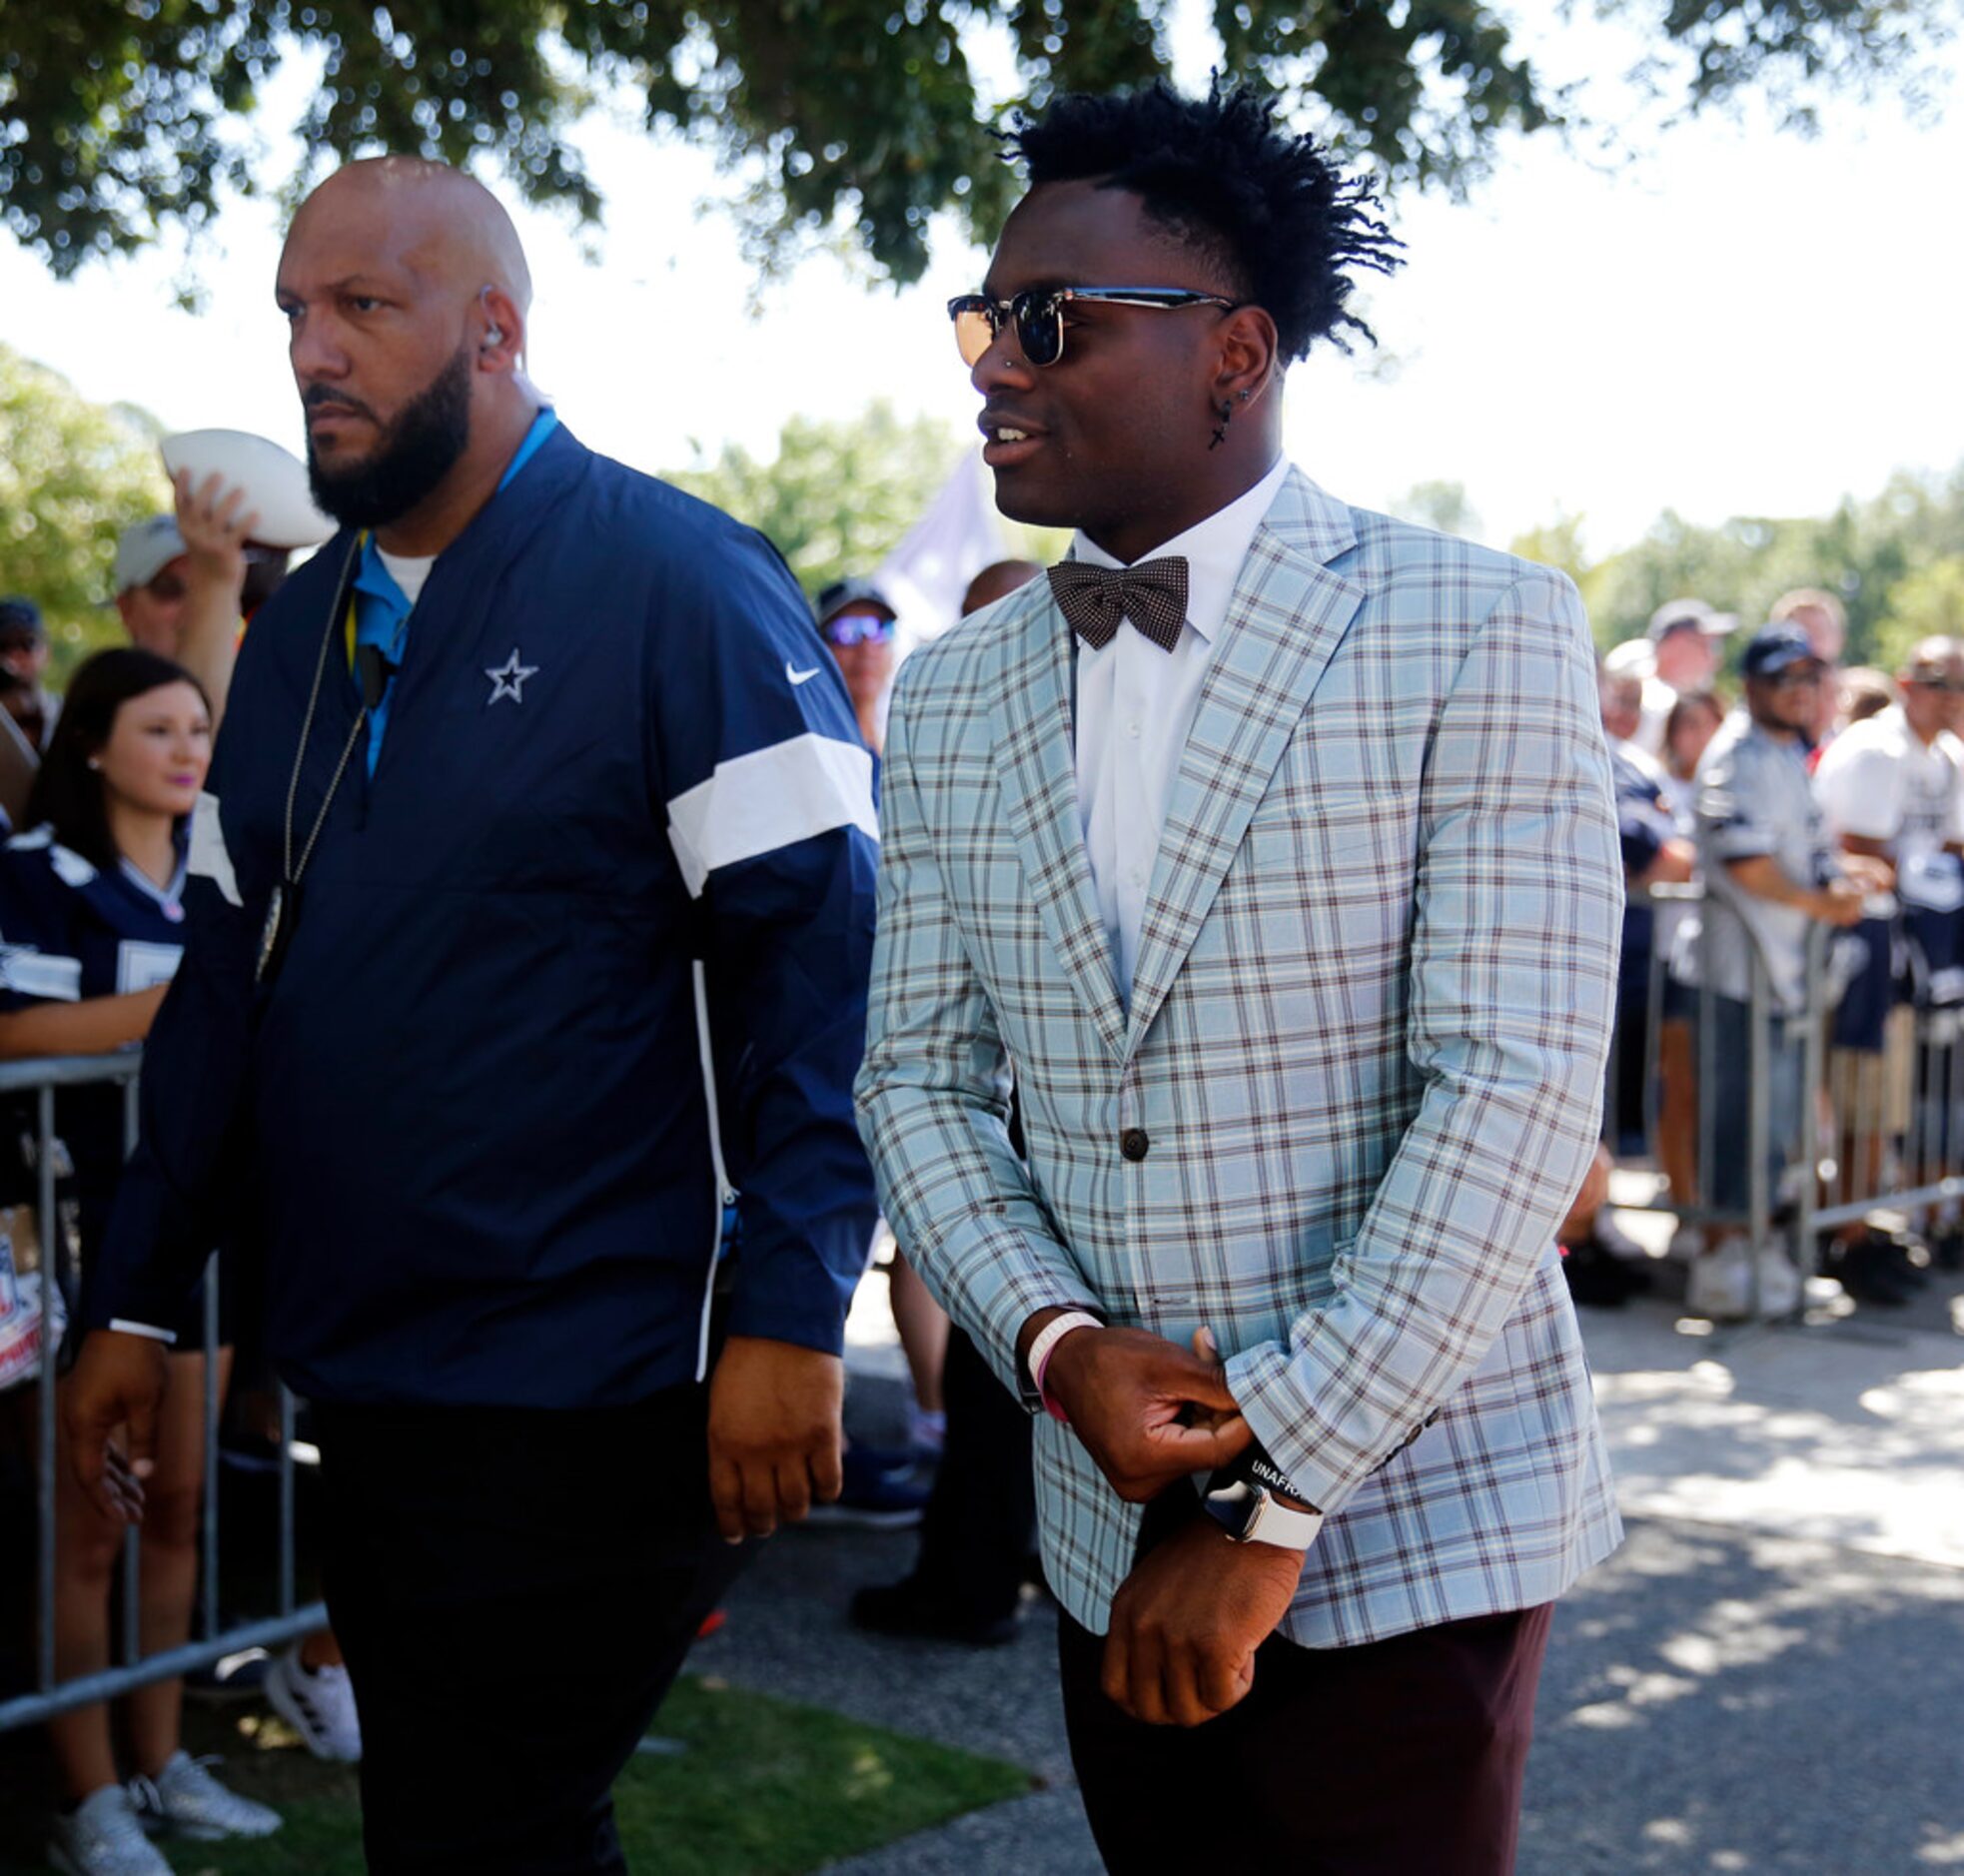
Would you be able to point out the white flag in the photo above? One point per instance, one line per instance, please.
(925, 576)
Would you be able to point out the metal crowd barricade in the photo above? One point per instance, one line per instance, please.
(1907, 1121)
(41, 1079)
(1880, 1123)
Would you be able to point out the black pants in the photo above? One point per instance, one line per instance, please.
(515, 1591)
(981, 1521)
(1398, 1758)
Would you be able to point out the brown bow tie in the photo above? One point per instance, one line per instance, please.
(1153, 595)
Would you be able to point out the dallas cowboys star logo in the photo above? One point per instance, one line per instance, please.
(509, 680)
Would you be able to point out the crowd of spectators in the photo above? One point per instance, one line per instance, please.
(1797, 795)
(1792, 858)
(98, 788)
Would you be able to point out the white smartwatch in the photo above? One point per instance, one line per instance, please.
(1252, 1514)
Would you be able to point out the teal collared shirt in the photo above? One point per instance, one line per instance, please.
(382, 609)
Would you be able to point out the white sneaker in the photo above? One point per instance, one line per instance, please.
(185, 1799)
(1720, 1283)
(1779, 1282)
(103, 1836)
(317, 1703)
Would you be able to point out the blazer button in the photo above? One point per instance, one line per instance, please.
(1134, 1143)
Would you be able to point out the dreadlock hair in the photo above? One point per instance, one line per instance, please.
(1262, 203)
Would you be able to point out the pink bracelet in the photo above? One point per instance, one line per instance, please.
(1045, 1346)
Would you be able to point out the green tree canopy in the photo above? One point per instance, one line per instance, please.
(73, 475)
(1896, 559)
(118, 117)
(838, 497)
(1923, 604)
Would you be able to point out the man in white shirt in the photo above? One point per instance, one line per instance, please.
(1272, 841)
(1892, 789)
(1893, 786)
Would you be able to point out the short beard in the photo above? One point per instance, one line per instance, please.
(416, 453)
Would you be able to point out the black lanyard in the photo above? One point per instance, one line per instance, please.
(283, 909)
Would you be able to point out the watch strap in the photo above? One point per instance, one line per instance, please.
(1263, 1471)
(1254, 1515)
(1254, 1467)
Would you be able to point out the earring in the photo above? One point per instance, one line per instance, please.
(94, 764)
(1244, 396)
(1225, 414)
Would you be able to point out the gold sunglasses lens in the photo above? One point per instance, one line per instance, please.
(974, 334)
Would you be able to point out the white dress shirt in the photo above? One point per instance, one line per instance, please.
(1136, 705)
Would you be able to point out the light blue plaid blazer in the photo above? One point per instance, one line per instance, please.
(1366, 1039)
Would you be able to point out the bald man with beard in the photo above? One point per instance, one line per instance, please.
(531, 908)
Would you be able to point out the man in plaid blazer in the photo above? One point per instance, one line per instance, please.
(1267, 848)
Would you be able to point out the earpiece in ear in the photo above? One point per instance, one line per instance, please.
(494, 336)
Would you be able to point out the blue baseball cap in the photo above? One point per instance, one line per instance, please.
(22, 617)
(1776, 648)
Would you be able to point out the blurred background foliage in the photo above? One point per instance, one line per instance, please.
(838, 496)
(73, 475)
(1896, 558)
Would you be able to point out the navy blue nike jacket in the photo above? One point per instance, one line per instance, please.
(467, 1117)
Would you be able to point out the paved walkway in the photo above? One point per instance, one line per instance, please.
(1763, 1679)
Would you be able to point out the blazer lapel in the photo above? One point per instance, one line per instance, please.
(1287, 614)
(1036, 762)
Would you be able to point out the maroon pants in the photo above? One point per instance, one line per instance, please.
(1398, 1758)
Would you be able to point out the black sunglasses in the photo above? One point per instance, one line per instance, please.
(1039, 314)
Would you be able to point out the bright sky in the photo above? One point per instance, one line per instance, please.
(1727, 319)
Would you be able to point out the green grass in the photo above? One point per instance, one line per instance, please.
(764, 1788)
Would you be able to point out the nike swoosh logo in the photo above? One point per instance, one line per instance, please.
(800, 677)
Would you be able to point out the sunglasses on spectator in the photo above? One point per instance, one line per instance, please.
(1794, 676)
(856, 629)
(166, 587)
(1954, 685)
(1038, 313)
